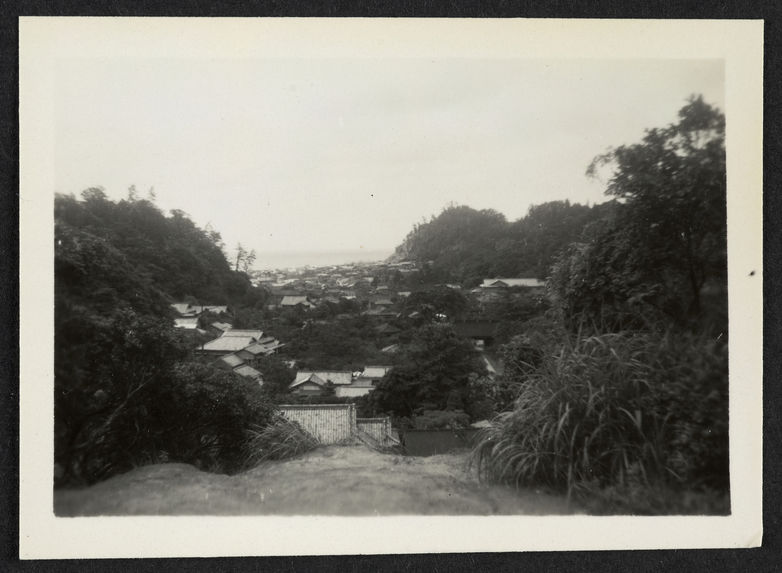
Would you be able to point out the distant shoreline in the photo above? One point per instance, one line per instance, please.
(297, 259)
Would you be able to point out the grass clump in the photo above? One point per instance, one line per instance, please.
(281, 439)
(625, 414)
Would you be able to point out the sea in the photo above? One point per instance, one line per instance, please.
(299, 259)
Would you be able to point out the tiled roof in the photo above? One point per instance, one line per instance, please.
(248, 372)
(235, 332)
(190, 323)
(222, 326)
(232, 360)
(375, 371)
(304, 377)
(489, 283)
(294, 300)
(336, 377)
(180, 307)
(228, 343)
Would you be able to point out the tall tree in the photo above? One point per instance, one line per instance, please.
(434, 371)
(667, 237)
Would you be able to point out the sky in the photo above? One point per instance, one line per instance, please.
(348, 154)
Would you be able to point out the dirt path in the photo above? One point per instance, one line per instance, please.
(336, 480)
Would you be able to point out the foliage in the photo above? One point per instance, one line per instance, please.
(281, 438)
(435, 369)
(125, 391)
(169, 254)
(204, 415)
(615, 410)
(277, 376)
(662, 251)
(437, 300)
(464, 245)
(335, 345)
(138, 403)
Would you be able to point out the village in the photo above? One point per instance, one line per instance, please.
(376, 292)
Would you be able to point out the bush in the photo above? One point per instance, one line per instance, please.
(206, 414)
(628, 409)
(200, 415)
(282, 438)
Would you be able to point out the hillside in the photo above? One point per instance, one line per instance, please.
(467, 245)
(123, 388)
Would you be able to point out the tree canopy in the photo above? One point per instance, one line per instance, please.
(466, 245)
(126, 387)
(435, 371)
(662, 249)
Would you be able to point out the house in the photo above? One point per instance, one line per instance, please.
(189, 310)
(291, 301)
(363, 383)
(359, 387)
(227, 344)
(390, 349)
(513, 283)
(183, 309)
(375, 372)
(247, 371)
(310, 383)
(189, 323)
(263, 347)
(230, 361)
(239, 332)
(235, 364)
(232, 340)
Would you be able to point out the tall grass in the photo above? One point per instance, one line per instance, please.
(619, 410)
(282, 438)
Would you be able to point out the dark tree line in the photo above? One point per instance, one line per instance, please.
(465, 245)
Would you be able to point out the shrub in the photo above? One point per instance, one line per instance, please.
(199, 415)
(622, 409)
(280, 439)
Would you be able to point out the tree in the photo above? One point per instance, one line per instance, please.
(437, 300)
(436, 368)
(667, 237)
(241, 257)
(277, 376)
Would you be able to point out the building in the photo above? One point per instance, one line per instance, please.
(513, 283)
(292, 301)
(363, 383)
(315, 383)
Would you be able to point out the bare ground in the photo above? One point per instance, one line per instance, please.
(335, 480)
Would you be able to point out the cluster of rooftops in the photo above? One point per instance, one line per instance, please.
(236, 349)
(344, 382)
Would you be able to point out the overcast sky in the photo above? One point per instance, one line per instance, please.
(337, 154)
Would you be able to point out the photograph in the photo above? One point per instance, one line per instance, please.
(369, 283)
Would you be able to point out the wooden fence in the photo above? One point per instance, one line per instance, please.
(329, 423)
(377, 428)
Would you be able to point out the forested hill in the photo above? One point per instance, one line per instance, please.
(467, 245)
(130, 254)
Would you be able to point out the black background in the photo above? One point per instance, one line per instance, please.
(767, 558)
